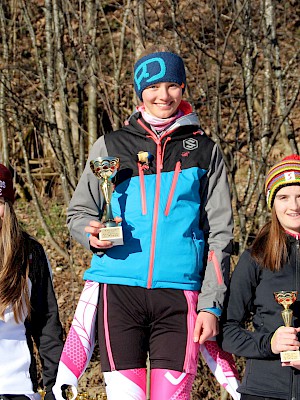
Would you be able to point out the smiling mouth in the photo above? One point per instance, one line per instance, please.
(164, 104)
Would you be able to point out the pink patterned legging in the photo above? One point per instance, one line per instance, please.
(165, 384)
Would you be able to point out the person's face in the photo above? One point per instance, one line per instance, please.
(162, 99)
(287, 207)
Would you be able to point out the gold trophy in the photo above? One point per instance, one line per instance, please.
(105, 169)
(286, 299)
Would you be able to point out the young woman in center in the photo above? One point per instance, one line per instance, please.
(161, 291)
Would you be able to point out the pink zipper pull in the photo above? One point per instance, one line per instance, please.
(142, 186)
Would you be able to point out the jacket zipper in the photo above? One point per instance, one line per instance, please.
(294, 386)
(297, 264)
(294, 381)
(159, 166)
(155, 214)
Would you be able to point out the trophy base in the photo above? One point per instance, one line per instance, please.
(113, 234)
(290, 355)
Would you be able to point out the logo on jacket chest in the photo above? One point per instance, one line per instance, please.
(190, 144)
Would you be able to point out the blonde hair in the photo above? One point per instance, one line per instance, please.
(269, 248)
(13, 266)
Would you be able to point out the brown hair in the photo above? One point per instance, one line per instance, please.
(269, 248)
(13, 266)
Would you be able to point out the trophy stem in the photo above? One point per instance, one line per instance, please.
(109, 218)
(287, 316)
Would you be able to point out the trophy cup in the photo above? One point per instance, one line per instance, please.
(105, 169)
(286, 299)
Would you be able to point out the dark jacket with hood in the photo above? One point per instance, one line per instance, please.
(43, 328)
(251, 295)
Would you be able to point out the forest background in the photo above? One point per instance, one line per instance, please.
(66, 78)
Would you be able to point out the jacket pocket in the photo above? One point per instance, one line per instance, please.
(213, 258)
(173, 187)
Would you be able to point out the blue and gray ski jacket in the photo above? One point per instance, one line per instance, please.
(176, 210)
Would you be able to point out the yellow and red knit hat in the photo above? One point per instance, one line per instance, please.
(284, 173)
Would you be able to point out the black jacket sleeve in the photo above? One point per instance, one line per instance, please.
(44, 324)
(235, 337)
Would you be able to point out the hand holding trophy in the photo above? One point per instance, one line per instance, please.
(286, 299)
(105, 169)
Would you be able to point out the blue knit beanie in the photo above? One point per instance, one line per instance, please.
(158, 67)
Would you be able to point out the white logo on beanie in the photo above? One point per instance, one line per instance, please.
(289, 176)
(2, 186)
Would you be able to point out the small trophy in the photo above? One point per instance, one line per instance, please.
(105, 169)
(286, 299)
